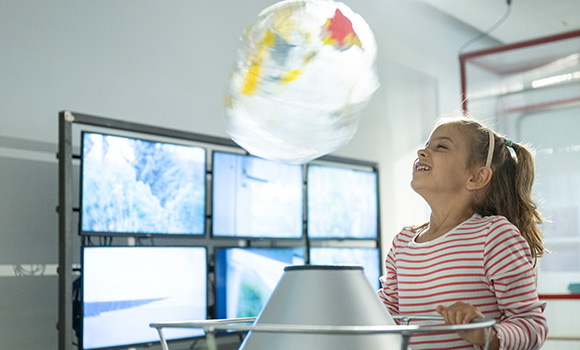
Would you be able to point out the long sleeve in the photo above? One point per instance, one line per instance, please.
(484, 262)
(388, 292)
(509, 270)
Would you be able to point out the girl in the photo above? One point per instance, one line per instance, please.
(476, 255)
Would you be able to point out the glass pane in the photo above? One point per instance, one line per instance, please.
(553, 135)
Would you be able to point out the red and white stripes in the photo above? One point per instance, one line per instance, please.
(484, 262)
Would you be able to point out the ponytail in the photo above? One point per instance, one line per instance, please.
(510, 192)
(510, 189)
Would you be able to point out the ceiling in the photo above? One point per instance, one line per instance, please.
(528, 19)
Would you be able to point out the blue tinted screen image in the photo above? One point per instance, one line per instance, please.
(141, 187)
(342, 203)
(127, 288)
(368, 258)
(254, 197)
(246, 277)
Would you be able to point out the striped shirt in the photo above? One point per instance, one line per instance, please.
(484, 262)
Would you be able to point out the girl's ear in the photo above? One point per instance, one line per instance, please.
(480, 178)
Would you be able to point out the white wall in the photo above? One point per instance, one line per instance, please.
(166, 63)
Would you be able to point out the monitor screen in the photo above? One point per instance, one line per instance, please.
(127, 288)
(368, 258)
(342, 203)
(135, 186)
(246, 277)
(254, 197)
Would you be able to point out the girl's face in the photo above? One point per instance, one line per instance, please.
(441, 166)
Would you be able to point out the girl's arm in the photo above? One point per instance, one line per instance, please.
(509, 270)
(463, 313)
(388, 293)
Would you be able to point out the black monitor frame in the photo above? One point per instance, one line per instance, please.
(347, 167)
(68, 211)
(151, 140)
(80, 308)
(213, 204)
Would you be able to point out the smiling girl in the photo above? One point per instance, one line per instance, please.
(476, 255)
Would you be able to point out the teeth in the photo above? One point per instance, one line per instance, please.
(423, 168)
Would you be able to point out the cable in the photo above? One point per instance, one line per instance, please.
(489, 30)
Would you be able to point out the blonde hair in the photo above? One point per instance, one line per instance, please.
(510, 188)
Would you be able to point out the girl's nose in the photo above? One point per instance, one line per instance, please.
(421, 152)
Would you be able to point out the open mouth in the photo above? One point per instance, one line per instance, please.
(421, 167)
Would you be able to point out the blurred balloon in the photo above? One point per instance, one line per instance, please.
(304, 71)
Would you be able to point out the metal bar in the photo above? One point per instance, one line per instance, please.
(562, 338)
(573, 296)
(406, 331)
(65, 195)
(405, 341)
(332, 158)
(325, 329)
(522, 44)
(92, 120)
(164, 345)
(542, 106)
(463, 77)
(203, 323)
(211, 343)
(148, 129)
(487, 340)
(408, 318)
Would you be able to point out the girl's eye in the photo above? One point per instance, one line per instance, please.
(441, 146)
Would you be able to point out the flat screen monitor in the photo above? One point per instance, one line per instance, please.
(342, 202)
(368, 258)
(246, 277)
(127, 288)
(255, 197)
(140, 187)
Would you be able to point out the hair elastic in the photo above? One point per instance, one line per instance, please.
(491, 147)
(509, 143)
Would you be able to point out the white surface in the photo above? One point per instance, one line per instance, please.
(529, 19)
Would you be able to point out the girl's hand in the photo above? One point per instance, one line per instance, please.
(463, 313)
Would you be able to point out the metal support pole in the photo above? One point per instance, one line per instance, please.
(164, 345)
(405, 342)
(65, 278)
(211, 342)
(488, 338)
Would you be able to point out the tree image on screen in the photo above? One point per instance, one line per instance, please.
(251, 274)
(251, 300)
(341, 203)
(136, 186)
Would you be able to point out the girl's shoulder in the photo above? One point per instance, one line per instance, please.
(476, 223)
(475, 219)
(407, 234)
(487, 220)
(489, 225)
(493, 222)
(496, 226)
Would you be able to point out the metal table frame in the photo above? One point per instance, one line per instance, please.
(243, 324)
